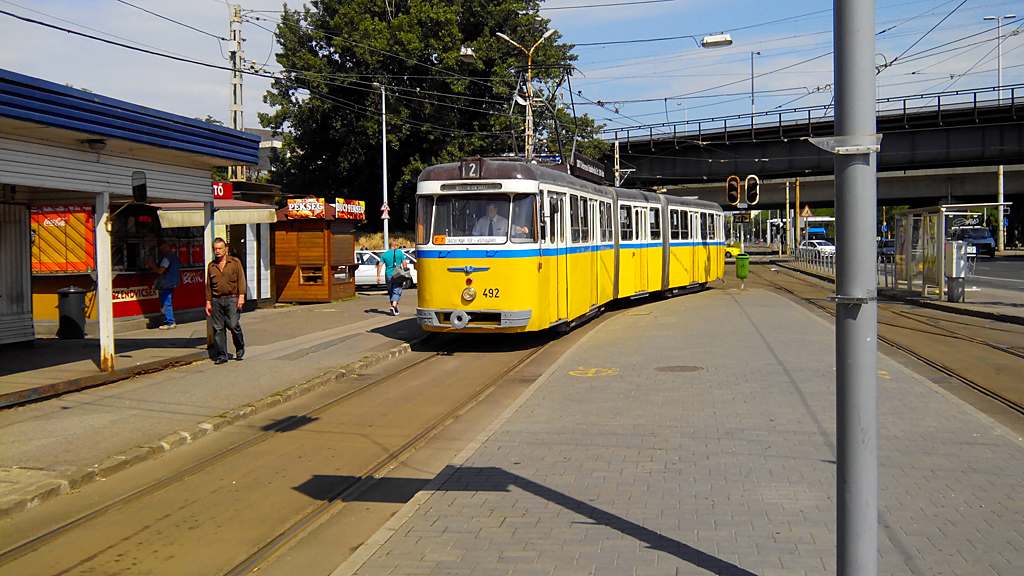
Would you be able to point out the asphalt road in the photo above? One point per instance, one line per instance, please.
(1001, 272)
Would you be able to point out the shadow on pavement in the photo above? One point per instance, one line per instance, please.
(492, 479)
(47, 352)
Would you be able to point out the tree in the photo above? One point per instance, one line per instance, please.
(439, 108)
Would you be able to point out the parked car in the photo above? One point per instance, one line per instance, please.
(887, 247)
(366, 273)
(978, 238)
(731, 251)
(812, 247)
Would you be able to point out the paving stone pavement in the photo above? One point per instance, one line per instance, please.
(697, 436)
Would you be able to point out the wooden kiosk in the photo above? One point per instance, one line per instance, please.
(314, 259)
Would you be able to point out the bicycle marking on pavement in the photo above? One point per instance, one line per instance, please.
(588, 372)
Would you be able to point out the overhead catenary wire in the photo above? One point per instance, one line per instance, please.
(190, 27)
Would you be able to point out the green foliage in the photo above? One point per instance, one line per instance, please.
(439, 108)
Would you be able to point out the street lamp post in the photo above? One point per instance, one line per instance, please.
(384, 159)
(1001, 236)
(529, 87)
(752, 54)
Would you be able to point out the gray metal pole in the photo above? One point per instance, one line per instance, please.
(856, 308)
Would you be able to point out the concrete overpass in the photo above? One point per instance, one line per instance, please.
(935, 147)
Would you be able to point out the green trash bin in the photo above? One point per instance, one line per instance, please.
(742, 265)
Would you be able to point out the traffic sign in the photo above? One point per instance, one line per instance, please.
(885, 227)
(741, 217)
(806, 213)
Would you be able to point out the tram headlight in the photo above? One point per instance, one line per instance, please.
(469, 294)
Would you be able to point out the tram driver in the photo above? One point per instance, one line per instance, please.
(491, 224)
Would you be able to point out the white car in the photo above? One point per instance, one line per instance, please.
(817, 247)
(366, 274)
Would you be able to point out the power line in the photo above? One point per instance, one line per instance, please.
(606, 5)
(172, 20)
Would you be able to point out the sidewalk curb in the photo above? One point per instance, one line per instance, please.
(934, 305)
(67, 482)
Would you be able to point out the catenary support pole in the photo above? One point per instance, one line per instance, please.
(796, 213)
(235, 109)
(384, 157)
(104, 283)
(856, 308)
(789, 223)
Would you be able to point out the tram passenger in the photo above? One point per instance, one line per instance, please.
(492, 224)
(389, 260)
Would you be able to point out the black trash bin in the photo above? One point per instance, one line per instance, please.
(71, 308)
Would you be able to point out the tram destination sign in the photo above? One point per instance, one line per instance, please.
(587, 168)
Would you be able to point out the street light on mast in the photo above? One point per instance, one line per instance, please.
(529, 86)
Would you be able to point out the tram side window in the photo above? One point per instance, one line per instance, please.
(584, 220)
(703, 225)
(609, 221)
(711, 228)
(574, 218)
(673, 224)
(424, 212)
(625, 223)
(684, 225)
(553, 216)
(655, 223)
(524, 218)
(601, 213)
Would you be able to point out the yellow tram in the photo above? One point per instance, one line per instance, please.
(505, 246)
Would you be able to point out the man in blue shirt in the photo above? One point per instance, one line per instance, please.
(168, 277)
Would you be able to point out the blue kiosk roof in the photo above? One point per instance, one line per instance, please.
(41, 102)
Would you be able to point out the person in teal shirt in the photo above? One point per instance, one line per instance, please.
(388, 261)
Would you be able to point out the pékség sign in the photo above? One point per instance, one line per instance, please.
(307, 208)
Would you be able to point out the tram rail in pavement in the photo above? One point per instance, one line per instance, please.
(50, 448)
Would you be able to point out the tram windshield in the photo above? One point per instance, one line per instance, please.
(482, 219)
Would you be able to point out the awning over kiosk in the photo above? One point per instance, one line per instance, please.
(226, 212)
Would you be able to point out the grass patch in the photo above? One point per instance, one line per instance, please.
(350, 298)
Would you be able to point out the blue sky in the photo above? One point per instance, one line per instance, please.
(680, 79)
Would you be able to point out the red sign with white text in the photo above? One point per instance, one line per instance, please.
(223, 190)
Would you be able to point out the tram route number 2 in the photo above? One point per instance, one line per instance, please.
(489, 293)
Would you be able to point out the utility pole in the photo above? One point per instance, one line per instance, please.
(856, 286)
(752, 54)
(235, 49)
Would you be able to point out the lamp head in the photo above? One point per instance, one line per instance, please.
(96, 144)
(716, 41)
(503, 37)
(546, 34)
(466, 55)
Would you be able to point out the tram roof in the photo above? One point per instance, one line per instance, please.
(515, 169)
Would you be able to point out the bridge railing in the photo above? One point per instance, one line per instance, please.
(804, 121)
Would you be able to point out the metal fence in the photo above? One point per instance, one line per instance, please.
(820, 262)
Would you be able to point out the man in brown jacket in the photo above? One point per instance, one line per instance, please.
(225, 295)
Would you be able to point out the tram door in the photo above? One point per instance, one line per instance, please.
(697, 236)
(559, 242)
(593, 232)
(642, 232)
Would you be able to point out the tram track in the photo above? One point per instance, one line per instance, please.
(350, 490)
(956, 374)
(339, 494)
